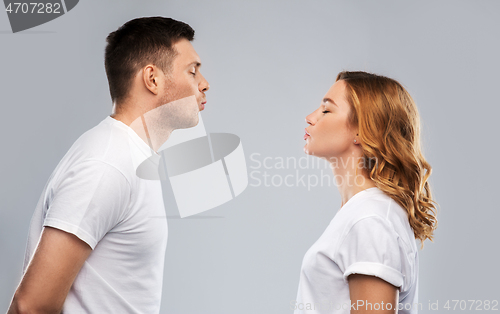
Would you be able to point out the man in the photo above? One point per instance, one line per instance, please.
(98, 236)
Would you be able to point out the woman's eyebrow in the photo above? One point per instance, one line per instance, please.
(325, 100)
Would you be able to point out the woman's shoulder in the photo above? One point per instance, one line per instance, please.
(371, 202)
(373, 206)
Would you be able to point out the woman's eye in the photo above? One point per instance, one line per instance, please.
(325, 111)
(194, 73)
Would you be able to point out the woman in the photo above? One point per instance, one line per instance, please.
(366, 261)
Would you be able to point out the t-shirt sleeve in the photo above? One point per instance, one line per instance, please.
(89, 200)
(371, 248)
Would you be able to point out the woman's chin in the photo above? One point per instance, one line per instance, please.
(307, 150)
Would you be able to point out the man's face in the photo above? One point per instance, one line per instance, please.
(185, 78)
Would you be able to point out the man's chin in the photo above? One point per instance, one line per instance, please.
(197, 121)
(192, 123)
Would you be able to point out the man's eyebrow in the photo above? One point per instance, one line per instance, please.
(195, 63)
(329, 100)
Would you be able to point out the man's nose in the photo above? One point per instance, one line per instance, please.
(204, 86)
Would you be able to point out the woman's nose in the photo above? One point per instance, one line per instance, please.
(309, 119)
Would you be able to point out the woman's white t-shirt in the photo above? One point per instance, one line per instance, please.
(369, 235)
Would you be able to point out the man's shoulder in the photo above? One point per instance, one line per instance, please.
(104, 142)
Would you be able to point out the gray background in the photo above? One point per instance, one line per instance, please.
(269, 64)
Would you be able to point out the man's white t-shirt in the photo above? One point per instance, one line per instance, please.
(369, 235)
(95, 194)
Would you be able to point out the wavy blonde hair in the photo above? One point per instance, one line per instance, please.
(389, 131)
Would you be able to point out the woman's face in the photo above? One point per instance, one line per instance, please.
(328, 134)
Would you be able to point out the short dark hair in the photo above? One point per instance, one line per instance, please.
(139, 42)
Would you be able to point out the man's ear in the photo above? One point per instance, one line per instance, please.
(151, 76)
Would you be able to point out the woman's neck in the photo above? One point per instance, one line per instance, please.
(350, 177)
